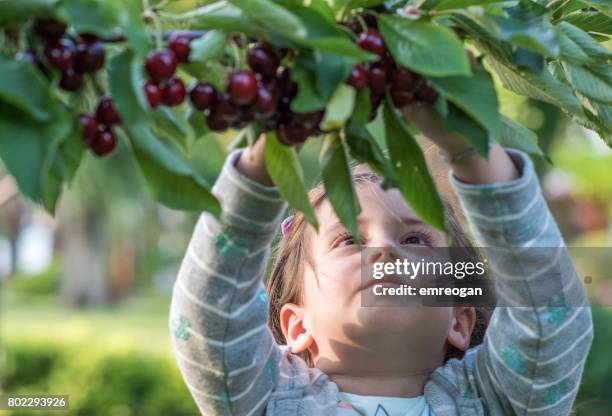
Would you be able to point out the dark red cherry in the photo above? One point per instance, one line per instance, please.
(266, 102)
(309, 121)
(291, 133)
(161, 65)
(71, 80)
(180, 45)
(89, 128)
(263, 61)
(49, 29)
(426, 93)
(90, 57)
(226, 108)
(61, 54)
(242, 87)
(402, 98)
(173, 93)
(153, 94)
(216, 122)
(404, 79)
(104, 143)
(203, 95)
(88, 38)
(358, 77)
(372, 41)
(106, 113)
(377, 80)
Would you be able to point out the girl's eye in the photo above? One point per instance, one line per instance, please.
(344, 240)
(417, 239)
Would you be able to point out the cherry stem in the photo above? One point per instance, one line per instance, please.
(165, 35)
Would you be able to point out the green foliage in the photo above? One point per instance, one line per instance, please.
(45, 283)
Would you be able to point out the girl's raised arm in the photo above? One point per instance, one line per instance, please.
(218, 315)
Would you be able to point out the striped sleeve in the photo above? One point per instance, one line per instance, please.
(533, 354)
(218, 313)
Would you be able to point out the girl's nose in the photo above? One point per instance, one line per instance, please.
(382, 253)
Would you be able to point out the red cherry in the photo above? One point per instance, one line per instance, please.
(173, 93)
(372, 41)
(180, 45)
(161, 65)
(402, 98)
(61, 55)
(405, 80)
(266, 101)
(88, 38)
(89, 127)
(104, 142)
(153, 94)
(216, 122)
(226, 108)
(291, 134)
(106, 113)
(49, 29)
(358, 78)
(426, 93)
(377, 80)
(71, 80)
(203, 95)
(309, 121)
(90, 56)
(263, 61)
(242, 87)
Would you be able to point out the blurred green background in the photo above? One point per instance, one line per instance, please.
(85, 295)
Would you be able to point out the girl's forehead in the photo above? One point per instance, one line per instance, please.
(376, 204)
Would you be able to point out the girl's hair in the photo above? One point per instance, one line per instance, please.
(286, 281)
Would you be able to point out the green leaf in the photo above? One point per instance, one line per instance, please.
(22, 86)
(332, 70)
(590, 21)
(459, 122)
(323, 7)
(222, 16)
(537, 36)
(173, 123)
(475, 95)
(455, 4)
(307, 99)
(363, 107)
(363, 147)
(286, 172)
(603, 5)
(517, 136)
(415, 182)
(589, 84)
(338, 181)
(208, 156)
(581, 38)
(570, 51)
(424, 47)
(339, 108)
(272, 16)
(173, 190)
(91, 16)
(12, 11)
(209, 46)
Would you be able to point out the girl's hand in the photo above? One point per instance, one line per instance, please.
(470, 167)
(252, 163)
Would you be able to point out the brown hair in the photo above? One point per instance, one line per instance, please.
(285, 284)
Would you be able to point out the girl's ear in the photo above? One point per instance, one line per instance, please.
(295, 328)
(464, 319)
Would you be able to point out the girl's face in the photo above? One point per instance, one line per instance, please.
(347, 337)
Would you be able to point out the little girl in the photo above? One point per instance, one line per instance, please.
(308, 347)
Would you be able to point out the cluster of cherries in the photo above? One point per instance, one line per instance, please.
(73, 60)
(385, 74)
(263, 93)
(97, 130)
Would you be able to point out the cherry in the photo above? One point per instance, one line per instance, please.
(216, 122)
(375, 102)
(388, 61)
(61, 55)
(153, 94)
(161, 65)
(173, 93)
(71, 80)
(263, 61)
(106, 112)
(358, 77)
(90, 56)
(88, 38)
(377, 80)
(203, 95)
(266, 102)
(180, 45)
(104, 142)
(49, 29)
(402, 98)
(89, 127)
(426, 93)
(372, 41)
(242, 87)
(226, 108)
(309, 121)
(291, 133)
(405, 80)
